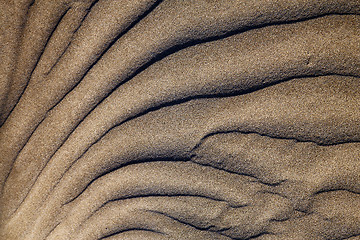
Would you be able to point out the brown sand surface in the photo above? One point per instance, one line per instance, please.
(174, 119)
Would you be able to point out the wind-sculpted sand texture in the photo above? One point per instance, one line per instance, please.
(174, 119)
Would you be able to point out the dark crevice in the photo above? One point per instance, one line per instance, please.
(169, 195)
(58, 59)
(335, 190)
(132, 229)
(27, 83)
(273, 193)
(256, 179)
(88, 10)
(186, 223)
(351, 236)
(305, 212)
(31, 4)
(52, 230)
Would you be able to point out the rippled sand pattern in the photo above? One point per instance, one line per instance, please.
(180, 119)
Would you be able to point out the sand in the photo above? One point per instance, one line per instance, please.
(144, 119)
